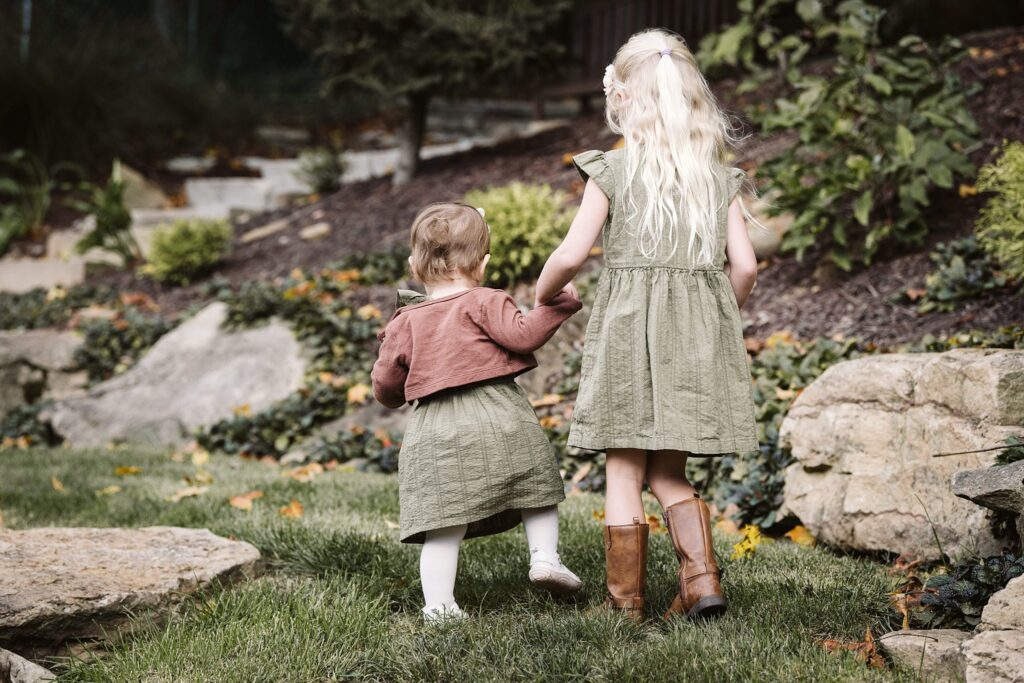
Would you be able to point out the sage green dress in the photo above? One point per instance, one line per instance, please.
(475, 455)
(664, 365)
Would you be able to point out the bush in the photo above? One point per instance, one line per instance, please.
(112, 231)
(877, 135)
(321, 168)
(21, 427)
(955, 599)
(527, 222)
(962, 271)
(187, 249)
(1000, 227)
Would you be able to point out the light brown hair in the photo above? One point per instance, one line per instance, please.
(448, 239)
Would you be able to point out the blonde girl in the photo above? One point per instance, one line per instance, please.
(664, 372)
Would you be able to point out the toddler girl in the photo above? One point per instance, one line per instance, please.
(664, 373)
(474, 459)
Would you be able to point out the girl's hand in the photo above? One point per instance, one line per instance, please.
(570, 289)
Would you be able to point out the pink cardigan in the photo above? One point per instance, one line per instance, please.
(467, 337)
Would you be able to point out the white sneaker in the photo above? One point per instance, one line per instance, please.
(548, 572)
(439, 613)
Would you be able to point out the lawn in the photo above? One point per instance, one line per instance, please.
(340, 599)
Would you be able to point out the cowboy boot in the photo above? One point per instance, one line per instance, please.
(700, 587)
(625, 552)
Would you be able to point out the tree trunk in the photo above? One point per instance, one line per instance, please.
(410, 138)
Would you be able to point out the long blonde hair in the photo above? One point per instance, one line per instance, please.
(675, 140)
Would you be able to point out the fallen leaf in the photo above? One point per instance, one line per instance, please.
(187, 492)
(966, 190)
(139, 300)
(126, 470)
(781, 337)
(336, 381)
(866, 650)
(784, 394)
(619, 144)
(200, 477)
(244, 501)
(654, 522)
(108, 490)
(305, 473)
(389, 524)
(596, 251)
(350, 275)
(368, 312)
(293, 510)
(728, 526)
(801, 536)
(384, 438)
(551, 421)
(200, 456)
(752, 345)
(57, 486)
(547, 400)
(244, 410)
(357, 393)
(915, 293)
(331, 465)
(748, 546)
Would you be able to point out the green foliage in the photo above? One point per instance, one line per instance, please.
(26, 188)
(112, 231)
(956, 599)
(1000, 227)
(877, 135)
(1009, 337)
(527, 222)
(41, 308)
(1014, 452)
(21, 427)
(321, 168)
(963, 270)
(375, 267)
(112, 346)
(187, 249)
(368, 451)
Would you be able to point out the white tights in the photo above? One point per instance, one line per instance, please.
(439, 559)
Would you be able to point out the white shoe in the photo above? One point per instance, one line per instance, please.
(439, 613)
(548, 572)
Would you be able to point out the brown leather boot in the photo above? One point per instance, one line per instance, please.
(700, 588)
(625, 553)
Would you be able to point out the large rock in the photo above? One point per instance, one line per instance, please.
(15, 669)
(933, 654)
(193, 376)
(37, 364)
(863, 436)
(67, 584)
(995, 657)
(1005, 609)
(996, 488)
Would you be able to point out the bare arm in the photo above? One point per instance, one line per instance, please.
(566, 260)
(742, 264)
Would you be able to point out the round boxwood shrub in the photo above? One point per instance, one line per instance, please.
(187, 249)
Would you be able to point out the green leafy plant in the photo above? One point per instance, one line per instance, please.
(1014, 451)
(21, 427)
(26, 189)
(955, 599)
(321, 168)
(113, 221)
(1000, 226)
(877, 135)
(527, 222)
(375, 451)
(375, 267)
(49, 308)
(963, 270)
(187, 249)
(112, 346)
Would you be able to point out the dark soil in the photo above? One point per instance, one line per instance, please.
(799, 297)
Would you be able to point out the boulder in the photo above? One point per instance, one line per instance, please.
(1005, 609)
(63, 584)
(38, 364)
(995, 657)
(863, 436)
(192, 377)
(15, 669)
(996, 488)
(932, 654)
(141, 193)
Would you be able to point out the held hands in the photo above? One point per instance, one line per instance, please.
(569, 289)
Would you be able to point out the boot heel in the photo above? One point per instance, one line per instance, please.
(708, 607)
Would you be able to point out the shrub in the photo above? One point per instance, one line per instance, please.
(22, 427)
(112, 346)
(112, 231)
(1000, 227)
(962, 271)
(187, 249)
(321, 168)
(877, 135)
(955, 599)
(527, 222)
(371, 451)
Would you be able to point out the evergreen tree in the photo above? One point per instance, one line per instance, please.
(405, 52)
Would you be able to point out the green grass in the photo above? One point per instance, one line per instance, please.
(341, 598)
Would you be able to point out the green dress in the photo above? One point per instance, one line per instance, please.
(475, 455)
(664, 365)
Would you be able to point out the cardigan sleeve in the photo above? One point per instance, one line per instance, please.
(390, 372)
(519, 332)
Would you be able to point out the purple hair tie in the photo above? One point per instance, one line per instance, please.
(666, 52)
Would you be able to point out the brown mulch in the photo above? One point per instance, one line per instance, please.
(790, 295)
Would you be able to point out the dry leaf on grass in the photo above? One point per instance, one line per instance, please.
(547, 400)
(108, 490)
(654, 522)
(244, 501)
(801, 536)
(305, 473)
(126, 470)
(293, 510)
(866, 650)
(187, 492)
(200, 456)
(57, 485)
(357, 393)
(598, 515)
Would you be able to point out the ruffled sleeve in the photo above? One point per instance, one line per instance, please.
(734, 181)
(594, 165)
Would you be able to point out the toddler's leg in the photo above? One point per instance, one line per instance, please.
(439, 561)
(546, 568)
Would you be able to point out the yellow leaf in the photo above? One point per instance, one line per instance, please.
(200, 477)
(357, 393)
(187, 492)
(108, 490)
(801, 536)
(654, 522)
(776, 338)
(598, 515)
(968, 190)
(547, 400)
(244, 410)
(126, 470)
(57, 486)
(748, 546)
(305, 473)
(784, 394)
(369, 312)
(293, 510)
(551, 421)
(244, 501)
(596, 251)
(350, 275)
(200, 456)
